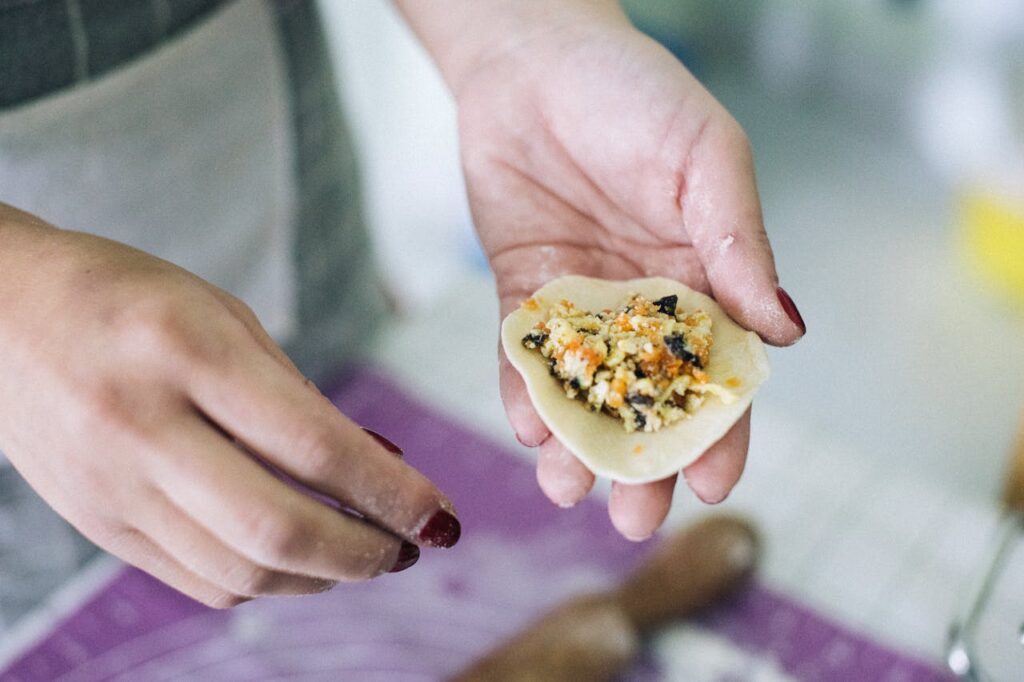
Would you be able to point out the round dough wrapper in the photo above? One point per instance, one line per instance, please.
(599, 440)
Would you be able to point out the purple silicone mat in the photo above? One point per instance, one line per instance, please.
(519, 555)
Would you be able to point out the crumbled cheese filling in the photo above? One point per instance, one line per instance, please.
(643, 364)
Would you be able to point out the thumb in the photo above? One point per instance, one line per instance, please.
(722, 214)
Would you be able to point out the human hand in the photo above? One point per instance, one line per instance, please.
(589, 149)
(127, 386)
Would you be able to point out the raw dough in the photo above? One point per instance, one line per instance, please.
(738, 360)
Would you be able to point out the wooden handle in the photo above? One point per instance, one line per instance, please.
(690, 571)
(588, 638)
(595, 637)
(1013, 486)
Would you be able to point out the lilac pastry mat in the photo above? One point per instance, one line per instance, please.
(518, 556)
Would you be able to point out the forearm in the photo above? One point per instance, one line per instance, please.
(461, 35)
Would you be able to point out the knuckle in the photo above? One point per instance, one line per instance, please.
(109, 413)
(274, 536)
(162, 328)
(250, 580)
(317, 450)
(154, 324)
(106, 404)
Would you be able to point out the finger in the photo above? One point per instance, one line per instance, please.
(247, 317)
(637, 511)
(263, 519)
(722, 214)
(713, 476)
(529, 428)
(516, 283)
(562, 477)
(244, 314)
(280, 420)
(136, 549)
(207, 557)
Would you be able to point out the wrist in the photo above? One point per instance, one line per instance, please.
(465, 37)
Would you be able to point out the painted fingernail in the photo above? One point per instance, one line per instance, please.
(407, 556)
(790, 308)
(442, 530)
(388, 445)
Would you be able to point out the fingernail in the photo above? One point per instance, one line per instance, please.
(442, 530)
(407, 556)
(388, 445)
(790, 308)
(706, 496)
(717, 498)
(523, 442)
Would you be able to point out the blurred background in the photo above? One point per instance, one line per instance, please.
(889, 142)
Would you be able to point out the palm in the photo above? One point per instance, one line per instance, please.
(600, 155)
(580, 174)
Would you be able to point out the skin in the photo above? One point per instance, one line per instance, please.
(588, 149)
(152, 410)
(133, 398)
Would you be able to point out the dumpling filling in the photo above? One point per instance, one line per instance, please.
(643, 364)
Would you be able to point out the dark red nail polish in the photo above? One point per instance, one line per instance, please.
(407, 556)
(790, 308)
(388, 445)
(442, 530)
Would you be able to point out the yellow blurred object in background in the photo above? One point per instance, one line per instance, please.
(993, 237)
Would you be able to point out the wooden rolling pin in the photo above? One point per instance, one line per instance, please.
(595, 637)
